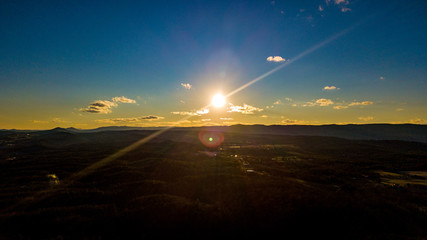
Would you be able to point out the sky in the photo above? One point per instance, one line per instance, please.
(87, 64)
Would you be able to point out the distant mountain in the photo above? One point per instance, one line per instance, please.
(405, 132)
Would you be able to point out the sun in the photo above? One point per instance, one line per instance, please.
(218, 100)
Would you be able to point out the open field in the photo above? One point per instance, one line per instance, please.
(250, 185)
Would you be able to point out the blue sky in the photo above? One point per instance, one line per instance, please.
(58, 58)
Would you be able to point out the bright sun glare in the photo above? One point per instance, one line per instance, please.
(218, 100)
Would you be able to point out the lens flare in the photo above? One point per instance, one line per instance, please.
(211, 139)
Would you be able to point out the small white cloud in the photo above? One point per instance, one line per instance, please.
(320, 8)
(340, 107)
(186, 86)
(245, 109)
(58, 120)
(123, 99)
(277, 102)
(345, 9)
(264, 116)
(382, 77)
(365, 118)
(226, 119)
(323, 102)
(331, 88)
(344, 2)
(276, 59)
(206, 120)
(361, 103)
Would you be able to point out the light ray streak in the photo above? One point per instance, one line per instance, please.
(91, 168)
(133, 146)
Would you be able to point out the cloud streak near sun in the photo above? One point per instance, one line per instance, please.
(105, 106)
(276, 59)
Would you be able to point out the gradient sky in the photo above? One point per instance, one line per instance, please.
(87, 64)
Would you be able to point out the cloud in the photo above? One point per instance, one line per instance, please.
(361, 103)
(417, 121)
(340, 107)
(382, 78)
(264, 116)
(365, 118)
(288, 121)
(123, 99)
(399, 109)
(186, 86)
(277, 102)
(99, 106)
(193, 113)
(331, 88)
(129, 120)
(323, 102)
(245, 109)
(320, 8)
(226, 119)
(150, 118)
(276, 59)
(205, 120)
(345, 2)
(58, 120)
(105, 106)
(40, 122)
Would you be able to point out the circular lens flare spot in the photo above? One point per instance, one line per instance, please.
(211, 138)
(218, 101)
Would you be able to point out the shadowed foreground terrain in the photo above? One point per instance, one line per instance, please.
(250, 185)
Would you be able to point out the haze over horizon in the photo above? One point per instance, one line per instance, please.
(91, 64)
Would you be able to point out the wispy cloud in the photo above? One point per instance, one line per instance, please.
(39, 122)
(331, 88)
(340, 107)
(130, 120)
(276, 59)
(361, 103)
(105, 106)
(323, 102)
(58, 120)
(200, 112)
(245, 109)
(123, 99)
(277, 102)
(99, 106)
(365, 118)
(342, 5)
(186, 86)
(150, 117)
(226, 119)
(417, 121)
(288, 121)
